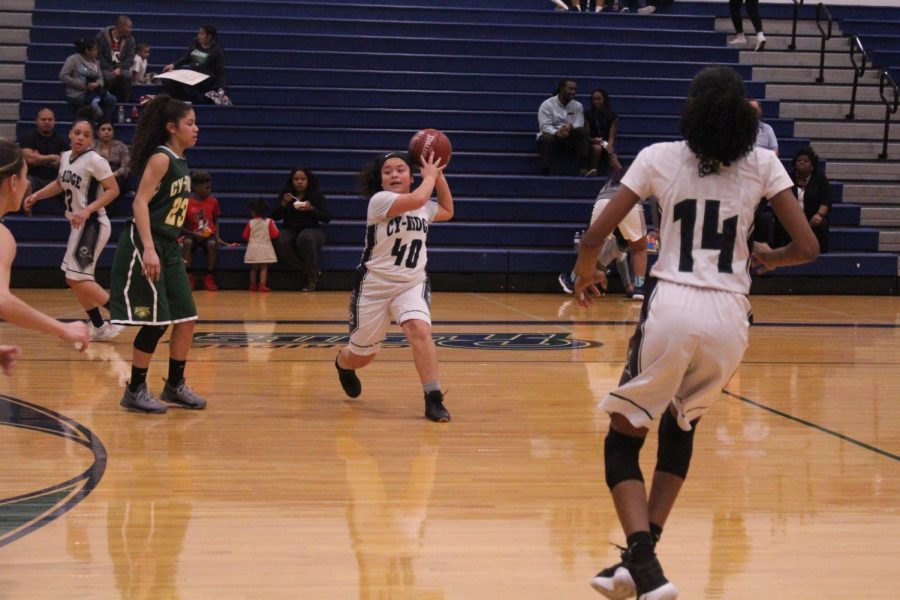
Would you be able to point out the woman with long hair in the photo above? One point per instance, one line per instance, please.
(694, 324)
(13, 183)
(88, 185)
(149, 281)
(205, 56)
(301, 207)
(391, 282)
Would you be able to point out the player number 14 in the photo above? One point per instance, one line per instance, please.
(686, 212)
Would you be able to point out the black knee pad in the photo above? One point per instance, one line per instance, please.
(148, 337)
(621, 453)
(675, 446)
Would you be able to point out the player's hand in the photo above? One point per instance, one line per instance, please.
(431, 165)
(8, 357)
(816, 220)
(151, 264)
(30, 201)
(78, 218)
(761, 258)
(586, 286)
(76, 332)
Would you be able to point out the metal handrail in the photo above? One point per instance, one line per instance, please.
(826, 35)
(888, 111)
(858, 71)
(793, 45)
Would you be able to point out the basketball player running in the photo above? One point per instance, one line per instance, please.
(630, 233)
(13, 183)
(149, 281)
(694, 324)
(81, 172)
(391, 282)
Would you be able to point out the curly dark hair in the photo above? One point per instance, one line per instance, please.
(11, 159)
(809, 153)
(369, 179)
(82, 45)
(151, 129)
(718, 122)
(312, 182)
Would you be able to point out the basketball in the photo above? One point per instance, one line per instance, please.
(430, 140)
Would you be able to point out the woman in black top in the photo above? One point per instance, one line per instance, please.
(204, 56)
(301, 207)
(603, 124)
(813, 190)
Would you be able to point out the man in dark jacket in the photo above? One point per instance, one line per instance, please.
(117, 57)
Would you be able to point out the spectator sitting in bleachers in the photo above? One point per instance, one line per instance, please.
(84, 81)
(43, 148)
(204, 56)
(201, 229)
(117, 57)
(117, 154)
(603, 125)
(301, 207)
(813, 190)
(561, 127)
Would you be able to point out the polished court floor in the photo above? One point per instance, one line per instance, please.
(284, 488)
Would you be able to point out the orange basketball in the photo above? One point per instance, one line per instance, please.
(430, 140)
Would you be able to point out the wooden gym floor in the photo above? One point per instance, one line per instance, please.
(284, 488)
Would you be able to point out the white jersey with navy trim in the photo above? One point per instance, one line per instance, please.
(80, 178)
(706, 221)
(395, 247)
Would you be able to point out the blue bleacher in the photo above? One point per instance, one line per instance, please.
(332, 85)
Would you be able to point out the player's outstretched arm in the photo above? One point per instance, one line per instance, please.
(17, 312)
(804, 247)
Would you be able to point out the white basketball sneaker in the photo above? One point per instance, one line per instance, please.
(105, 332)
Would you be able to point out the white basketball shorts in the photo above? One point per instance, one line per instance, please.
(84, 247)
(633, 227)
(688, 345)
(374, 304)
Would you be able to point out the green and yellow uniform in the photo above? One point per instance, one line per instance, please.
(135, 300)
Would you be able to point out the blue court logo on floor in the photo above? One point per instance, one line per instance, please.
(482, 341)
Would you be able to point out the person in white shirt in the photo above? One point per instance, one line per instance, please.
(141, 61)
(694, 323)
(561, 128)
(391, 282)
(88, 185)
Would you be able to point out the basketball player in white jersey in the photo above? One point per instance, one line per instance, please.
(694, 323)
(13, 183)
(391, 282)
(82, 175)
(630, 234)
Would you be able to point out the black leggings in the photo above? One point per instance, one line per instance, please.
(752, 11)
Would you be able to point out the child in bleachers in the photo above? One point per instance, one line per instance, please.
(259, 233)
(141, 61)
(201, 228)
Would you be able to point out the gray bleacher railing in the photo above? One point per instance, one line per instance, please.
(822, 12)
(858, 71)
(793, 45)
(888, 109)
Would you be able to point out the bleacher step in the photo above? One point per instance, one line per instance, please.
(850, 130)
(795, 75)
(12, 36)
(862, 111)
(881, 216)
(775, 26)
(824, 92)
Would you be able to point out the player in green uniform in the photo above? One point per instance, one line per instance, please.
(149, 282)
